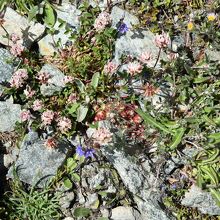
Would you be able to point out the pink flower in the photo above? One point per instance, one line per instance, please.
(110, 68)
(134, 68)
(43, 77)
(172, 56)
(72, 98)
(102, 21)
(29, 92)
(37, 105)
(25, 115)
(14, 37)
(50, 142)
(102, 136)
(17, 49)
(64, 124)
(145, 57)
(18, 78)
(68, 79)
(47, 117)
(162, 40)
(22, 73)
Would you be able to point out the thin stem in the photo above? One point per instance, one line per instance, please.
(7, 34)
(158, 57)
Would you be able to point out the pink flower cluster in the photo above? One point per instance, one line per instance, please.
(110, 68)
(134, 68)
(47, 117)
(25, 115)
(173, 56)
(18, 78)
(29, 92)
(72, 98)
(68, 79)
(145, 57)
(64, 124)
(17, 48)
(102, 136)
(102, 21)
(162, 40)
(43, 77)
(37, 105)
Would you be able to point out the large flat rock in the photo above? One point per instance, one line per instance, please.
(55, 83)
(36, 162)
(197, 198)
(16, 23)
(9, 114)
(6, 66)
(68, 13)
(136, 41)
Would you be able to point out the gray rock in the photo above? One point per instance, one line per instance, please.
(97, 179)
(15, 23)
(134, 42)
(66, 200)
(68, 13)
(125, 213)
(9, 114)
(177, 43)
(68, 218)
(38, 163)
(81, 197)
(140, 183)
(91, 201)
(118, 13)
(6, 66)
(104, 212)
(8, 160)
(55, 83)
(196, 198)
(102, 4)
(213, 55)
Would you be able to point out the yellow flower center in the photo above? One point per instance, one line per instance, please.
(211, 17)
(190, 26)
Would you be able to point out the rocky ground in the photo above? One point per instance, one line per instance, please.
(122, 180)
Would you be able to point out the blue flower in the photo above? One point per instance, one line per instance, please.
(89, 153)
(123, 28)
(80, 151)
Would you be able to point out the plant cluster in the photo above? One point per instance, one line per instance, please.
(97, 88)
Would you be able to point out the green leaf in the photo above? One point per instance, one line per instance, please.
(103, 218)
(67, 183)
(95, 80)
(189, 70)
(216, 195)
(210, 172)
(32, 13)
(80, 85)
(177, 138)
(81, 212)
(148, 119)
(71, 164)
(72, 109)
(75, 177)
(81, 113)
(49, 15)
(199, 181)
(201, 79)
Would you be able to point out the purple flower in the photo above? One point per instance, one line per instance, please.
(89, 153)
(123, 28)
(80, 151)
